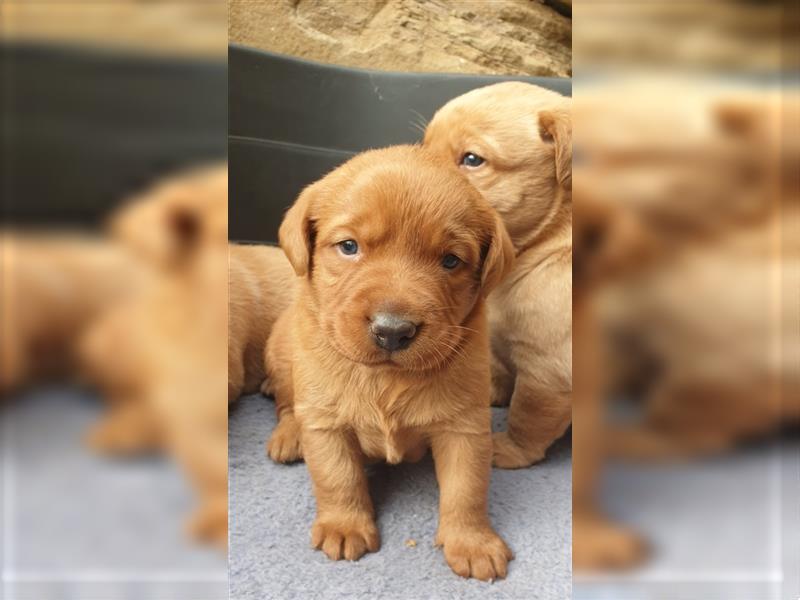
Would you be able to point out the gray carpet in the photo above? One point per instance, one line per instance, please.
(77, 526)
(272, 508)
(725, 528)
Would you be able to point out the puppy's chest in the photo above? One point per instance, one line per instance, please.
(389, 420)
(393, 445)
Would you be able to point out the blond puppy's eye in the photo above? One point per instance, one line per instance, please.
(471, 160)
(450, 261)
(348, 247)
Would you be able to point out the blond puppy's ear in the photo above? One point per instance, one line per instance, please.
(159, 228)
(296, 234)
(498, 257)
(740, 118)
(555, 127)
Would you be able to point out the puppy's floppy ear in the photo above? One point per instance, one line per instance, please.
(738, 118)
(498, 256)
(555, 126)
(296, 233)
(184, 228)
(159, 228)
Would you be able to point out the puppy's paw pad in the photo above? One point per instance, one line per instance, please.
(284, 443)
(478, 554)
(508, 455)
(349, 541)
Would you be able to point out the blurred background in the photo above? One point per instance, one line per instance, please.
(686, 286)
(108, 109)
(502, 37)
(686, 283)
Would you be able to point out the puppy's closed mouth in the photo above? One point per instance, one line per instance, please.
(391, 342)
(385, 359)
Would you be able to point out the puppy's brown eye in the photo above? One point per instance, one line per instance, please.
(472, 160)
(450, 261)
(348, 247)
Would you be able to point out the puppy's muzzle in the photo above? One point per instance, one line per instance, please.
(391, 332)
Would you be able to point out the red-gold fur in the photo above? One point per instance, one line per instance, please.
(52, 286)
(355, 402)
(261, 285)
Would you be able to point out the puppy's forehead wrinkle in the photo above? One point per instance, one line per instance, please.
(417, 204)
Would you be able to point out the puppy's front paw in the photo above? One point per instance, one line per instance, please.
(117, 435)
(284, 443)
(600, 544)
(478, 553)
(348, 539)
(210, 524)
(508, 455)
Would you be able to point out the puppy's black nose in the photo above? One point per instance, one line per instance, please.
(391, 332)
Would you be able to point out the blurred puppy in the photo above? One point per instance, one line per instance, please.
(385, 350)
(51, 287)
(677, 258)
(719, 374)
(691, 409)
(262, 284)
(158, 355)
(514, 142)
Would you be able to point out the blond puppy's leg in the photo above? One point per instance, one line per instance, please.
(463, 467)
(203, 453)
(14, 363)
(345, 524)
(536, 419)
(598, 543)
(688, 419)
(235, 374)
(284, 444)
(129, 428)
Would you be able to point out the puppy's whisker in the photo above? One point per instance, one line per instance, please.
(462, 327)
(419, 116)
(416, 127)
(443, 358)
(454, 348)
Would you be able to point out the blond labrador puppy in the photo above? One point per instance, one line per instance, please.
(158, 355)
(385, 352)
(514, 142)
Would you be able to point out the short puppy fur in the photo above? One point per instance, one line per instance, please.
(52, 287)
(385, 353)
(261, 285)
(514, 142)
